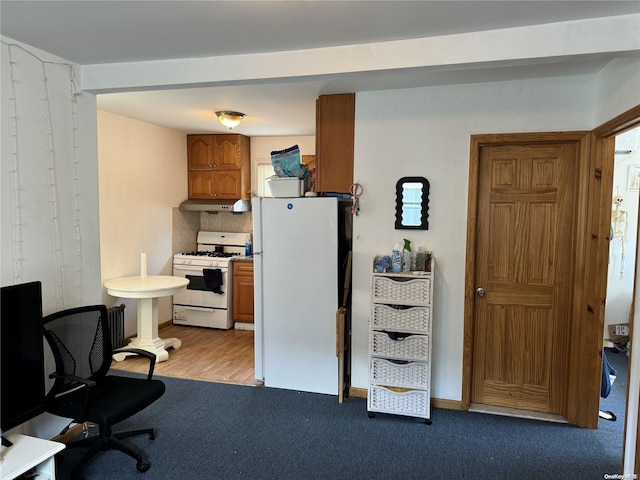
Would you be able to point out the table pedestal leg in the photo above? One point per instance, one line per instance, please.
(147, 338)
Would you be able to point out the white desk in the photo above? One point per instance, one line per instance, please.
(147, 290)
(27, 453)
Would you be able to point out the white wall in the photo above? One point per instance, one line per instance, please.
(143, 175)
(48, 186)
(426, 132)
(618, 88)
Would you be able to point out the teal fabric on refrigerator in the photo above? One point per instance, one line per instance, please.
(286, 163)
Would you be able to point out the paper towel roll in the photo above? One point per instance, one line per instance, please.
(143, 265)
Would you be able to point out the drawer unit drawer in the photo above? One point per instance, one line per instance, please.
(414, 403)
(412, 374)
(243, 267)
(413, 319)
(411, 347)
(401, 291)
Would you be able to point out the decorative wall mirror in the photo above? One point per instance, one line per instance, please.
(412, 203)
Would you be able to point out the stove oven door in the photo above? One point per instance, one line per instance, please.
(197, 293)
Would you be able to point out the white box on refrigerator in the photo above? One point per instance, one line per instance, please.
(283, 187)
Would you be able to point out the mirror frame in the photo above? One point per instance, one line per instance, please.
(424, 206)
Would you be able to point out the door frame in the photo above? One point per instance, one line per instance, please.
(603, 151)
(579, 375)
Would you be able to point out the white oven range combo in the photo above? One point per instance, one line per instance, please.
(208, 299)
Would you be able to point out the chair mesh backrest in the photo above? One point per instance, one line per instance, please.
(80, 342)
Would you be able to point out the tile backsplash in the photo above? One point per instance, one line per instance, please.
(225, 222)
(186, 226)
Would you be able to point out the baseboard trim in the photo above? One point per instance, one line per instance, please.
(358, 392)
(435, 402)
(166, 324)
(446, 404)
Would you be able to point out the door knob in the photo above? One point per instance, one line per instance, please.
(480, 292)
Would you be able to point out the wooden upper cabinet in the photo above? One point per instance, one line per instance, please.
(227, 151)
(201, 184)
(219, 166)
(335, 126)
(215, 184)
(227, 184)
(200, 151)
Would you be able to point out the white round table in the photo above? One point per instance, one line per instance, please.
(147, 290)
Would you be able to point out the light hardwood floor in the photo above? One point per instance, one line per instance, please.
(206, 354)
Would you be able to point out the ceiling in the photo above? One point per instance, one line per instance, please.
(98, 32)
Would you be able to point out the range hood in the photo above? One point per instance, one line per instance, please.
(216, 205)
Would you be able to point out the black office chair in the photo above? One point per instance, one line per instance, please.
(81, 345)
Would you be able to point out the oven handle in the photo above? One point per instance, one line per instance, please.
(196, 268)
(196, 278)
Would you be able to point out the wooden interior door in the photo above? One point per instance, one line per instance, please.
(525, 249)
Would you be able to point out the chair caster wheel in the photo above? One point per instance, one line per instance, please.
(371, 414)
(143, 466)
(427, 421)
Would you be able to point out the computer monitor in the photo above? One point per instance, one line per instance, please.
(22, 389)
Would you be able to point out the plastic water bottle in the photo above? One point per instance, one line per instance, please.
(421, 257)
(396, 259)
(247, 246)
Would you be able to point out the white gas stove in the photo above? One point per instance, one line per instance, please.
(208, 299)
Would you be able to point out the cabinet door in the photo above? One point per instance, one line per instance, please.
(227, 151)
(243, 292)
(201, 184)
(227, 184)
(335, 126)
(200, 151)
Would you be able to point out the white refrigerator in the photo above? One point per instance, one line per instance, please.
(296, 269)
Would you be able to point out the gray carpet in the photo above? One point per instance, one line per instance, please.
(611, 433)
(216, 431)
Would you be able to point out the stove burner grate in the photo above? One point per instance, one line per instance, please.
(211, 254)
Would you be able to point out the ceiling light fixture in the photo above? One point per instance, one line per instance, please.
(230, 119)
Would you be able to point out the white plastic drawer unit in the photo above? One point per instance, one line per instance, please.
(400, 344)
(402, 291)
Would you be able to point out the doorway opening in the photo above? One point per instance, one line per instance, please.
(620, 281)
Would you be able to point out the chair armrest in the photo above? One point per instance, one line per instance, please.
(142, 353)
(84, 381)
